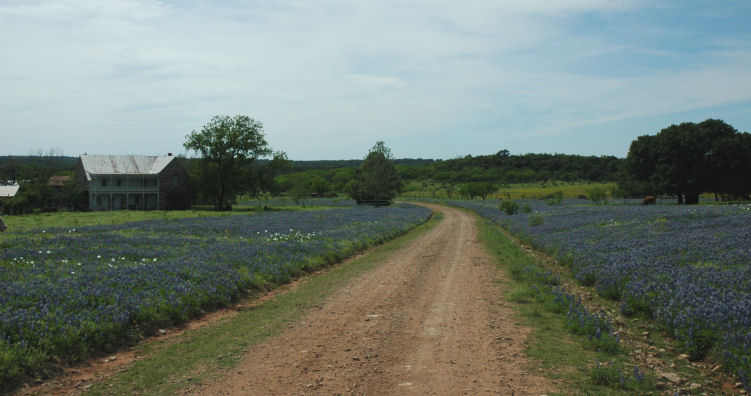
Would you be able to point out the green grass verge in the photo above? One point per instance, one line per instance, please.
(564, 349)
(18, 223)
(195, 357)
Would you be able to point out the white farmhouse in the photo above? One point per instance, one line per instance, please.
(133, 182)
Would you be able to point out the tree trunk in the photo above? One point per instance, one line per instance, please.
(692, 198)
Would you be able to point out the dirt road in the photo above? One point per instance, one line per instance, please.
(428, 320)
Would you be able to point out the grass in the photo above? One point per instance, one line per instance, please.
(20, 223)
(563, 352)
(199, 356)
(541, 190)
(77, 219)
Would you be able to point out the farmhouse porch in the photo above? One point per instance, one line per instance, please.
(117, 192)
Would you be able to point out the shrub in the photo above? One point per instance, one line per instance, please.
(598, 195)
(697, 340)
(509, 207)
(535, 220)
(555, 198)
(526, 209)
(632, 305)
(607, 375)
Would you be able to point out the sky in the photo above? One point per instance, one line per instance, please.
(432, 79)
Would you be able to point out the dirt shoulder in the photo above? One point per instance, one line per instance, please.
(430, 319)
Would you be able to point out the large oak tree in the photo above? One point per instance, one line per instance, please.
(227, 146)
(688, 159)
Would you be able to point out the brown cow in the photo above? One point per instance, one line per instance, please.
(649, 200)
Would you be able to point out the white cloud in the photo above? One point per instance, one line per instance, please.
(375, 81)
(348, 72)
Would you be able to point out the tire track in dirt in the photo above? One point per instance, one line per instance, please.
(428, 320)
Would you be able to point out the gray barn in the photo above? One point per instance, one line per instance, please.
(133, 182)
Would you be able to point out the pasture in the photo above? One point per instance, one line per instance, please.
(74, 292)
(438, 190)
(687, 267)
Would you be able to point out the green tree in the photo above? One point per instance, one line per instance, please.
(319, 185)
(377, 178)
(266, 175)
(483, 189)
(340, 178)
(226, 145)
(688, 159)
(10, 171)
(300, 190)
(732, 164)
(465, 191)
(638, 176)
(74, 197)
(477, 189)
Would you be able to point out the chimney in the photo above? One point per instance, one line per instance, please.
(169, 154)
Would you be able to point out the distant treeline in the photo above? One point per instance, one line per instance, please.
(499, 168)
(503, 168)
(11, 165)
(63, 163)
(301, 166)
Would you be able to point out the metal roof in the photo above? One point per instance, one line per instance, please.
(8, 191)
(124, 164)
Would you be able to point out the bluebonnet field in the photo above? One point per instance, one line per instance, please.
(689, 267)
(70, 292)
(330, 202)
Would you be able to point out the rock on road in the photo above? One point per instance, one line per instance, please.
(429, 319)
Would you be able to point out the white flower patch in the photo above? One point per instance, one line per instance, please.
(292, 236)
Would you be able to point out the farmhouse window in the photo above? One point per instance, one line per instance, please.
(118, 182)
(174, 182)
(104, 182)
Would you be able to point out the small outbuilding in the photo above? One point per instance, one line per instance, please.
(133, 182)
(8, 191)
